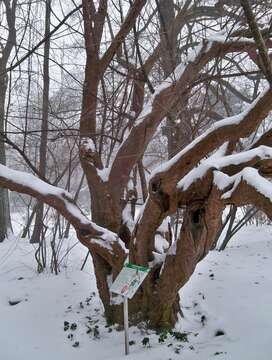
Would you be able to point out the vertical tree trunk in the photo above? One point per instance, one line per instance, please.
(5, 221)
(10, 9)
(198, 232)
(38, 226)
(169, 61)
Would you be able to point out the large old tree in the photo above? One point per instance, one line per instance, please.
(216, 169)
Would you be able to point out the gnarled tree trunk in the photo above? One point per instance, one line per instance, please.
(202, 179)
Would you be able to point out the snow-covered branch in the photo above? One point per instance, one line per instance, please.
(228, 129)
(216, 170)
(247, 187)
(91, 235)
(167, 95)
(230, 164)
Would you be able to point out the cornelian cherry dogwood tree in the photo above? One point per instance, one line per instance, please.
(203, 178)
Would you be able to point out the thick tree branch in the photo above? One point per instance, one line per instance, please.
(198, 182)
(173, 90)
(249, 187)
(194, 242)
(96, 238)
(228, 129)
(164, 197)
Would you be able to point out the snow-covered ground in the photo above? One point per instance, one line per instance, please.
(230, 292)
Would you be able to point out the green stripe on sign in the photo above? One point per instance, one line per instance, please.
(137, 267)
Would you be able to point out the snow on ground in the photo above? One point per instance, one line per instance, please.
(229, 293)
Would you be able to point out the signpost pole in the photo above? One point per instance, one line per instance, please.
(126, 284)
(126, 325)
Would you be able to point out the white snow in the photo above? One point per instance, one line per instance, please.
(221, 180)
(88, 144)
(164, 225)
(220, 152)
(172, 249)
(161, 244)
(232, 120)
(157, 259)
(253, 178)
(218, 162)
(75, 211)
(32, 182)
(219, 38)
(107, 239)
(104, 173)
(127, 217)
(29, 180)
(197, 173)
(170, 80)
(103, 244)
(237, 300)
(179, 70)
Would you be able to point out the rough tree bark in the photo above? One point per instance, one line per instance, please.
(195, 180)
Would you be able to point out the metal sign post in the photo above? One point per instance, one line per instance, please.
(125, 305)
(126, 284)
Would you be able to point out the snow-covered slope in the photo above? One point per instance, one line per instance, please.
(229, 294)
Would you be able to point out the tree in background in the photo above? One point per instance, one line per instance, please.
(6, 46)
(37, 235)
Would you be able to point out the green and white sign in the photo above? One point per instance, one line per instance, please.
(129, 280)
(126, 284)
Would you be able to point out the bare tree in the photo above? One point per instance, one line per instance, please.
(37, 235)
(216, 169)
(6, 45)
